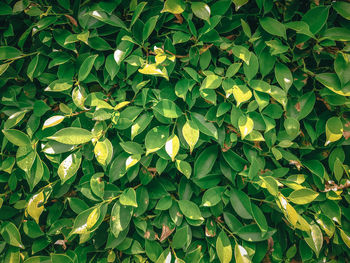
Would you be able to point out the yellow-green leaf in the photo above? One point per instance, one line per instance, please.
(241, 254)
(36, 206)
(184, 167)
(69, 166)
(315, 238)
(153, 69)
(11, 235)
(302, 196)
(172, 146)
(103, 151)
(128, 197)
(72, 135)
(132, 160)
(201, 10)
(289, 211)
(241, 93)
(345, 237)
(17, 137)
(174, 6)
(245, 125)
(53, 121)
(191, 134)
(334, 130)
(92, 218)
(224, 248)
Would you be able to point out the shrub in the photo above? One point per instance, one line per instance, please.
(176, 131)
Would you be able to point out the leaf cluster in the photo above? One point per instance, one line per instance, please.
(174, 131)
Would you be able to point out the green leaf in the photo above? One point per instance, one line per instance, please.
(315, 239)
(32, 229)
(273, 27)
(300, 27)
(17, 137)
(292, 127)
(203, 125)
(241, 204)
(223, 248)
(270, 184)
(59, 85)
(137, 13)
(32, 67)
(190, 210)
(259, 218)
(306, 103)
(174, 6)
(184, 167)
(88, 220)
(343, 9)
(182, 234)
(345, 237)
(211, 82)
(128, 197)
(337, 34)
(153, 250)
(112, 20)
(212, 196)
(38, 259)
(251, 69)
(149, 27)
(168, 109)
(234, 160)
(120, 218)
(239, 3)
(86, 67)
(241, 52)
(156, 138)
(72, 135)
(5, 9)
(332, 82)
(326, 224)
(60, 258)
(112, 66)
(284, 76)
(11, 234)
(205, 161)
(201, 10)
(233, 69)
(140, 124)
(164, 257)
(252, 233)
(302, 196)
(316, 18)
(183, 86)
(69, 167)
(8, 52)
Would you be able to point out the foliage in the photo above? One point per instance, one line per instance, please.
(176, 131)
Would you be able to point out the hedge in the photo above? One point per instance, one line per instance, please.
(177, 131)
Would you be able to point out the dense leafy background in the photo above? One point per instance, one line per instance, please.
(186, 131)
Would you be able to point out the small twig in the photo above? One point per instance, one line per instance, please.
(77, 113)
(331, 186)
(179, 18)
